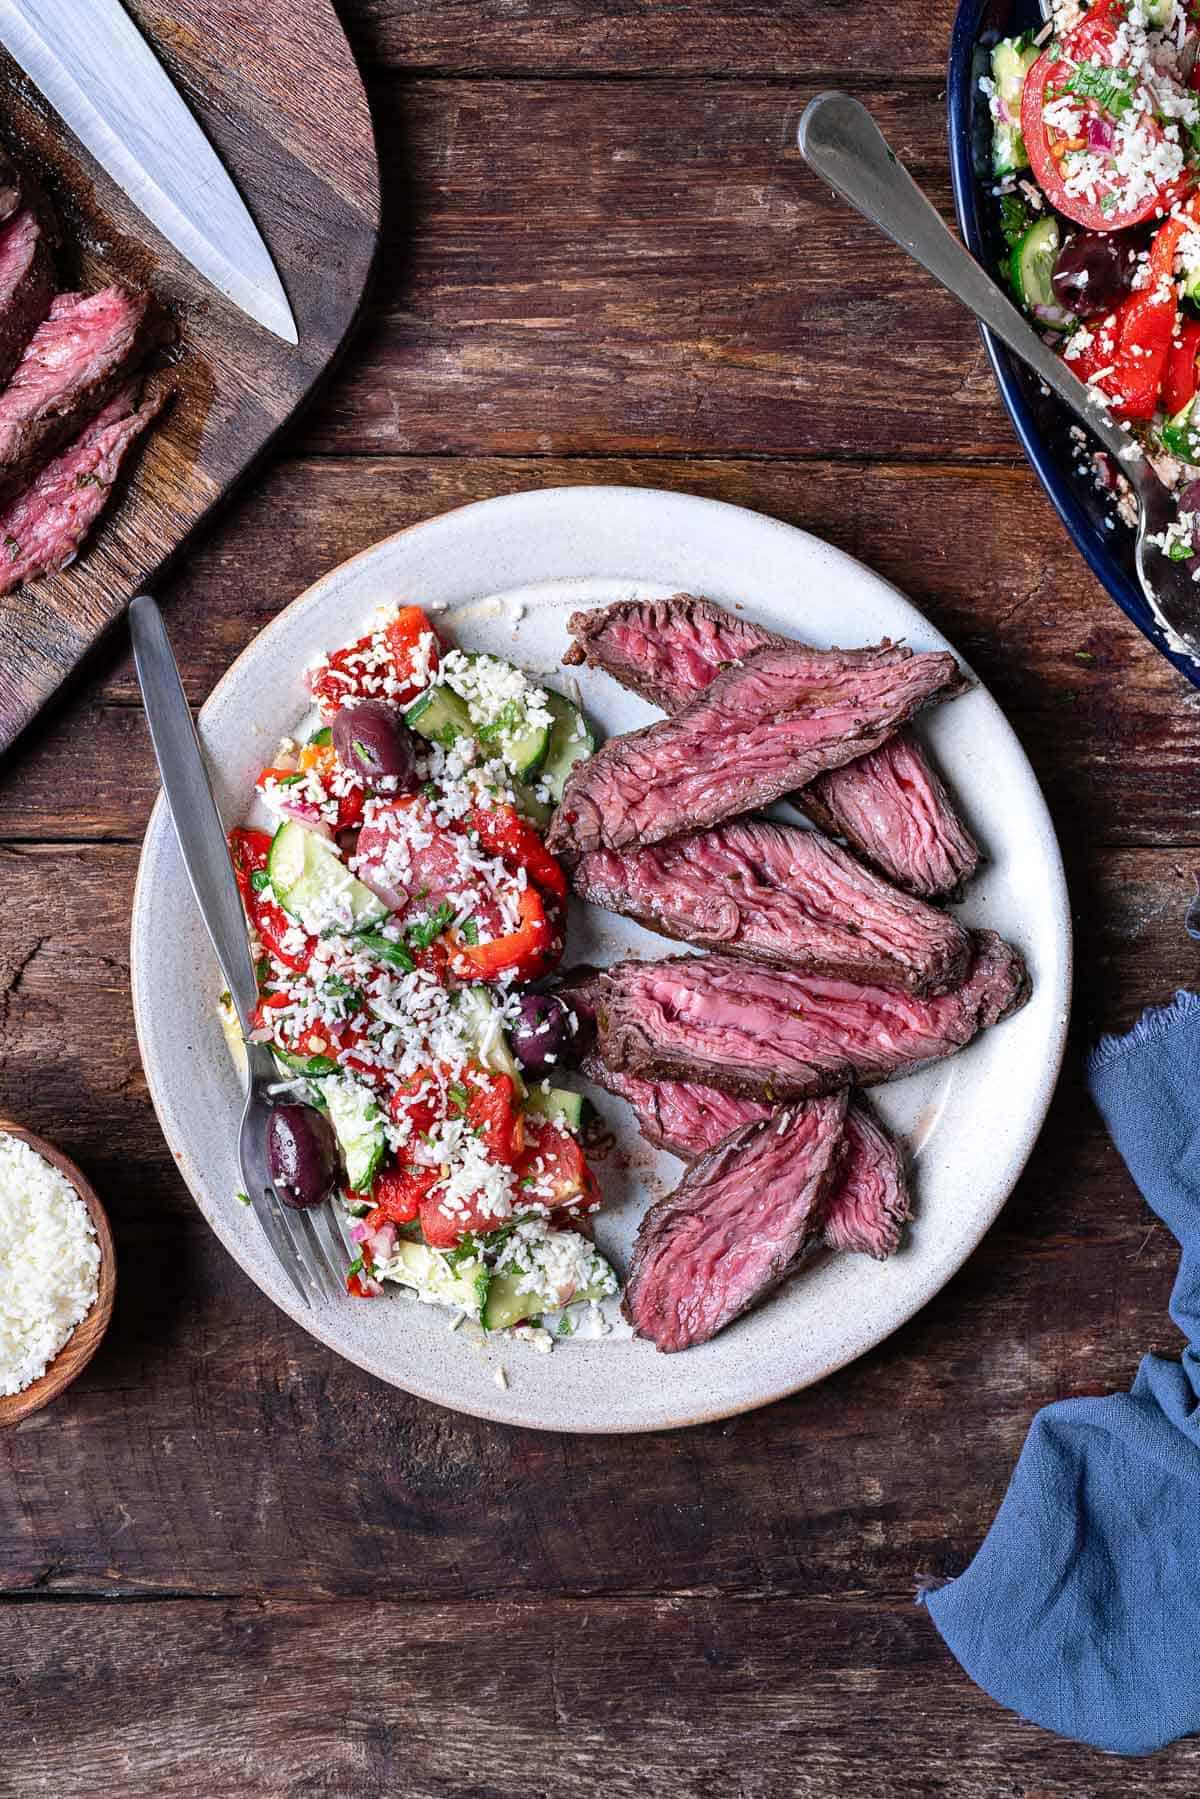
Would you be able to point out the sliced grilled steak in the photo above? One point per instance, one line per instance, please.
(893, 808)
(780, 894)
(75, 362)
(773, 1034)
(868, 1201)
(889, 804)
(735, 1226)
(43, 527)
(26, 284)
(869, 1205)
(774, 723)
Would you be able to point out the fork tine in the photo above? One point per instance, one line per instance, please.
(287, 1251)
(330, 1246)
(298, 1227)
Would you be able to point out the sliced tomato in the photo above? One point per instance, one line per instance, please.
(1181, 380)
(433, 874)
(442, 1232)
(363, 1286)
(421, 1100)
(250, 851)
(552, 1171)
(1092, 40)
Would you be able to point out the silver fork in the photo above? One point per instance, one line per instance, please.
(308, 1244)
(842, 144)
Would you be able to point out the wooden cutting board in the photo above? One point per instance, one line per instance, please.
(275, 87)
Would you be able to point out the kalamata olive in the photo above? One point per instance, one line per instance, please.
(1188, 498)
(1093, 272)
(373, 741)
(302, 1151)
(541, 1037)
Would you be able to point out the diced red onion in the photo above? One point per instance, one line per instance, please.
(308, 812)
(1189, 497)
(1100, 134)
(359, 1232)
(382, 1243)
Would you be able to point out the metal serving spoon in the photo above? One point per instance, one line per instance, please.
(842, 144)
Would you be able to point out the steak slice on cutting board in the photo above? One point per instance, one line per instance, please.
(777, 893)
(890, 805)
(43, 527)
(736, 1225)
(75, 362)
(773, 723)
(773, 1034)
(26, 284)
(868, 1201)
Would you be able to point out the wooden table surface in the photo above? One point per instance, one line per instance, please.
(232, 1564)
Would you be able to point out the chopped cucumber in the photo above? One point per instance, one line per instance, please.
(464, 1285)
(505, 1306)
(358, 1126)
(538, 812)
(440, 715)
(312, 1068)
(570, 741)
(1158, 13)
(481, 1016)
(1031, 266)
(1012, 60)
(313, 884)
(560, 1106)
(1181, 434)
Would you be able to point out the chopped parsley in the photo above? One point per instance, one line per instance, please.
(260, 880)
(470, 931)
(386, 950)
(565, 1327)
(1111, 88)
(1181, 551)
(289, 780)
(422, 935)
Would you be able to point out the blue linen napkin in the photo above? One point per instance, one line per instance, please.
(1081, 1610)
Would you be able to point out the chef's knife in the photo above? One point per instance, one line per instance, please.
(97, 70)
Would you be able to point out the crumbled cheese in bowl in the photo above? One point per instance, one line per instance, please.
(49, 1263)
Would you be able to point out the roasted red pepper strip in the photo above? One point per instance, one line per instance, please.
(1129, 348)
(504, 833)
(1181, 380)
(397, 1195)
(526, 950)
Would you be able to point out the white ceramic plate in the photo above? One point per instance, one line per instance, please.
(508, 572)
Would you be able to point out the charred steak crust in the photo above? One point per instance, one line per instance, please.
(776, 893)
(736, 1225)
(773, 1034)
(890, 805)
(26, 284)
(77, 359)
(773, 723)
(867, 1205)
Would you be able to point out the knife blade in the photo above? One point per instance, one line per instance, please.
(99, 73)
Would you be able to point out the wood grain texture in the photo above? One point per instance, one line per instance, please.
(307, 169)
(699, 1698)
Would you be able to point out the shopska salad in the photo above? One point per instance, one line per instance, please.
(1096, 159)
(397, 912)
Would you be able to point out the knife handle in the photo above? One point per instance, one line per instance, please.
(189, 796)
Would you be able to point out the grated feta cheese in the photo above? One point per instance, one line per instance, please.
(49, 1263)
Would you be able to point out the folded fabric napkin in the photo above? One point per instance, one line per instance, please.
(1081, 1610)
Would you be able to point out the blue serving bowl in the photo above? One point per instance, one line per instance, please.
(1041, 422)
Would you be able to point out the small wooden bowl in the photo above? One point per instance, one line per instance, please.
(84, 1340)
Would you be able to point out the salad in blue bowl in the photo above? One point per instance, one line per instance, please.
(1075, 154)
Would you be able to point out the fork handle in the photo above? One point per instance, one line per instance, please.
(841, 143)
(189, 797)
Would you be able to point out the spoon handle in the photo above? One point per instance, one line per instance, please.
(842, 144)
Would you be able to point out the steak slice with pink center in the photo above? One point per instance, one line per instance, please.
(737, 1224)
(774, 1035)
(43, 528)
(26, 284)
(776, 893)
(868, 1202)
(75, 362)
(757, 731)
(889, 805)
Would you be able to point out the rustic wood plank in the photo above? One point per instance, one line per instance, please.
(695, 1699)
(212, 1446)
(589, 267)
(786, 40)
(294, 126)
(1101, 714)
